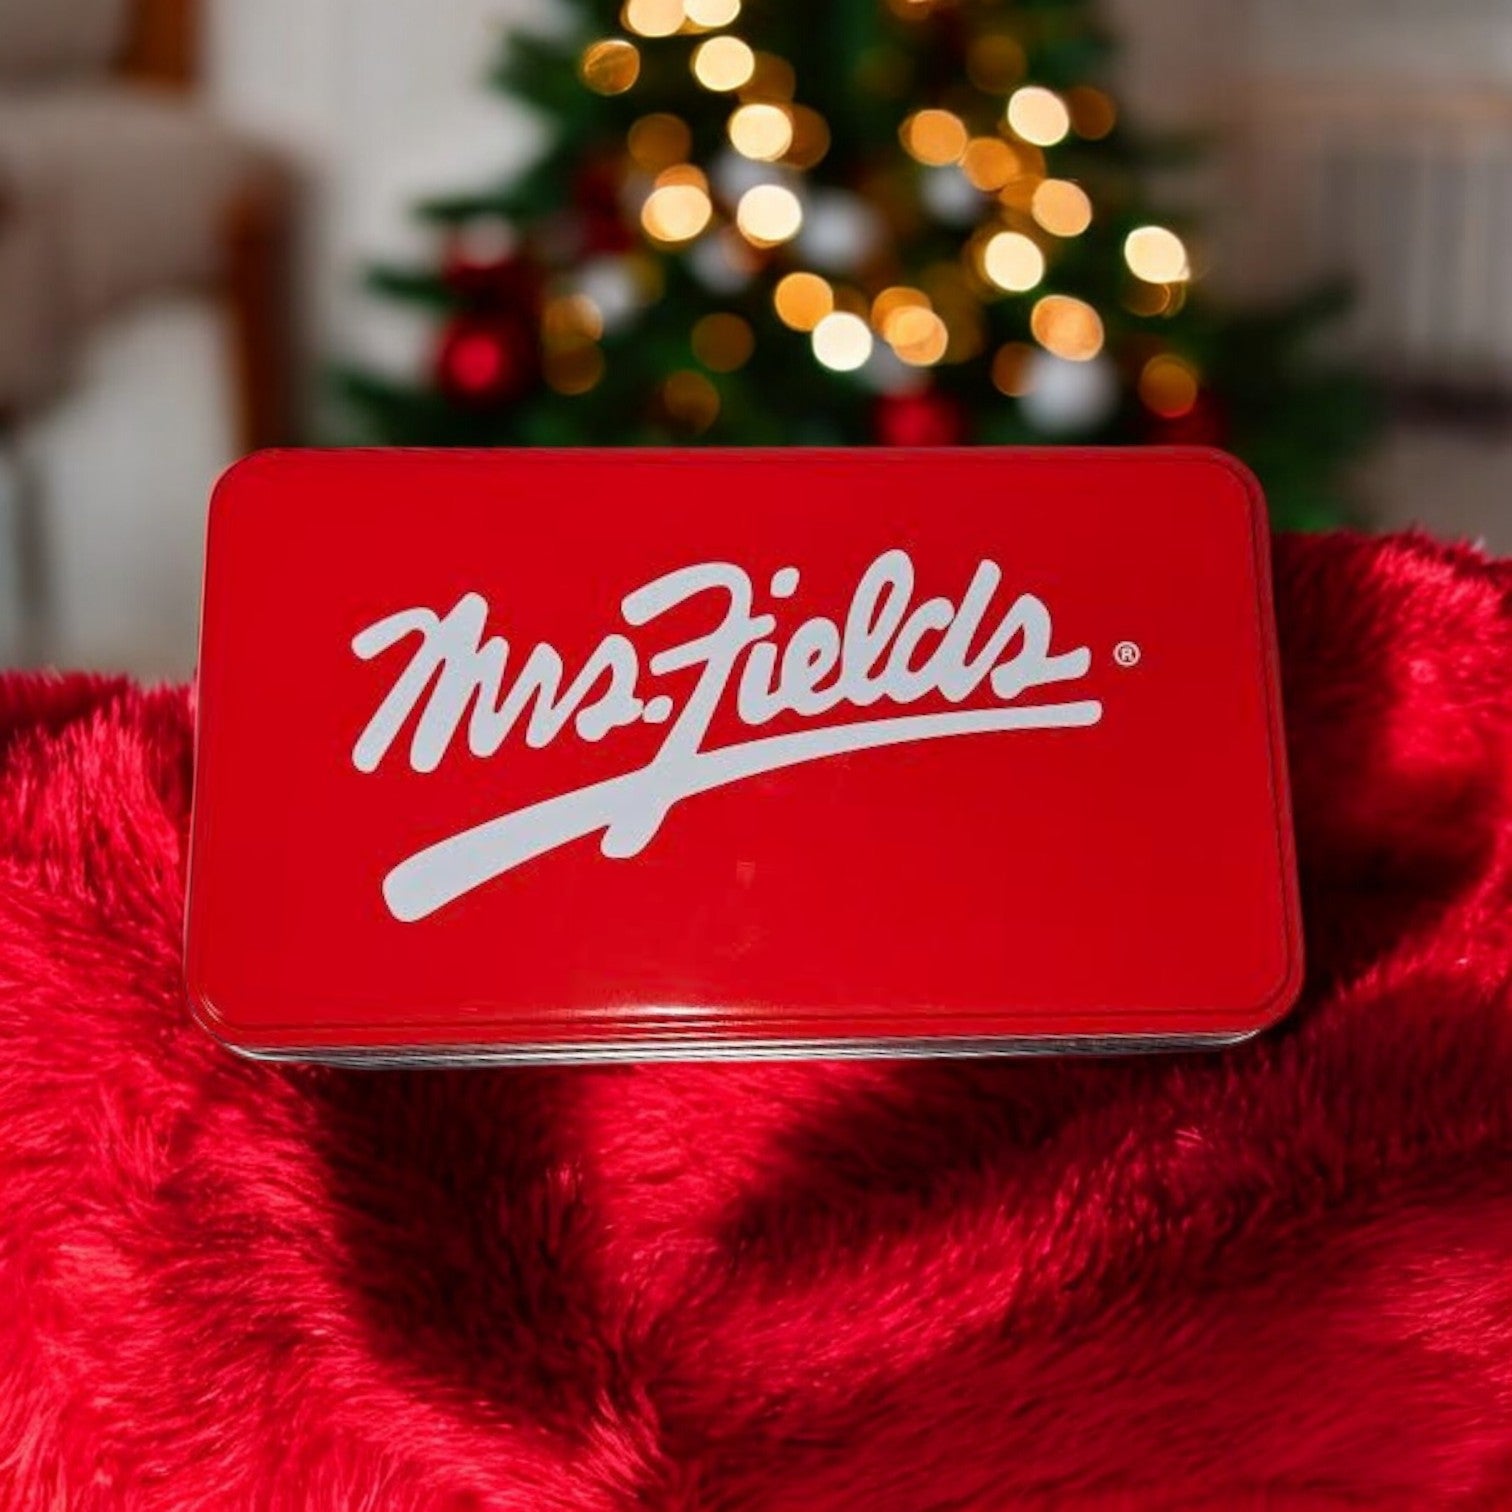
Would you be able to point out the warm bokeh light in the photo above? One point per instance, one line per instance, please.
(768, 214)
(1148, 299)
(683, 173)
(1011, 370)
(1038, 115)
(762, 132)
(851, 300)
(1157, 255)
(646, 279)
(1093, 114)
(1061, 207)
(676, 212)
(917, 335)
(658, 141)
(1168, 387)
(711, 13)
(989, 162)
(653, 18)
(802, 300)
(723, 342)
(842, 341)
(935, 137)
(955, 299)
(995, 64)
(609, 67)
(1067, 327)
(573, 369)
(1013, 261)
(723, 63)
(892, 299)
(772, 78)
(571, 320)
(691, 400)
(811, 138)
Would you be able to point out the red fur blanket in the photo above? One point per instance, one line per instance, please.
(1283, 1271)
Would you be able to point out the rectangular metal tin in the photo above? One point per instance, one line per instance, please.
(897, 856)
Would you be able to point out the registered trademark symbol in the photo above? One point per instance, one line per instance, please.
(1127, 654)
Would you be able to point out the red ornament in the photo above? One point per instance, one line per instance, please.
(490, 283)
(596, 193)
(488, 353)
(924, 419)
(486, 360)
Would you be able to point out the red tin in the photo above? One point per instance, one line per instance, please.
(542, 755)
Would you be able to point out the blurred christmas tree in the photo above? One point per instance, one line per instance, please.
(907, 222)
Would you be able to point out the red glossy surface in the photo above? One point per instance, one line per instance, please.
(1131, 875)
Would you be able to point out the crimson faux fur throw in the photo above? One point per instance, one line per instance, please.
(1283, 1272)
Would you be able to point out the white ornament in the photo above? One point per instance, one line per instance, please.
(886, 373)
(950, 196)
(840, 231)
(611, 284)
(732, 175)
(485, 239)
(1066, 397)
(718, 266)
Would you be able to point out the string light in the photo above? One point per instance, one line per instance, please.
(723, 63)
(571, 320)
(811, 138)
(574, 369)
(1013, 261)
(1093, 114)
(1168, 387)
(683, 173)
(1038, 115)
(723, 342)
(768, 214)
(1153, 299)
(802, 300)
(711, 13)
(842, 342)
(609, 67)
(935, 137)
(653, 18)
(1061, 207)
(893, 299)
(772, 78)
(852, 301)
(762, 132)
(657, 141)
(995, 64)
(691, 400)
(676, 211)
(918, 336)
(1067, 327)
(990, 163)
(1157, 255)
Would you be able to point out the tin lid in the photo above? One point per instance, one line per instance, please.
(533, 753)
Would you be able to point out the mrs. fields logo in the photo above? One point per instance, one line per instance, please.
(873, 659)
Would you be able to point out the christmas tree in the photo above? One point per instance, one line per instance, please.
(906, 222)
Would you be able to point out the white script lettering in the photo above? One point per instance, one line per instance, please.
(886, 649)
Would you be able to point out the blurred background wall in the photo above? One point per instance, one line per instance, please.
(1369, 136)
